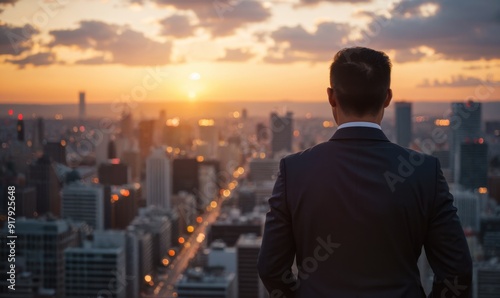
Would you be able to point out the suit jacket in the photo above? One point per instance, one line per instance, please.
(354, 213)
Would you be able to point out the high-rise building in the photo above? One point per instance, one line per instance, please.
(249, 284)
(490, 237)
(468, 208)
(39, 133)
(230, 229)
(123, 205)
(40, 246)
(210, 282)
(113, 173)
(81, 112)
(158, 179)
(185, 175)
(84, 202)
(146, 134)
(139, 252)
(220, 255)
(95, 271)
(209, 135)
(263, 169)
(465, 124)
(133, 160)
(485, 279)
(43, 177)
(403, 123)
(472, 167)
(177, 134)
(282, 133)
(56, 151)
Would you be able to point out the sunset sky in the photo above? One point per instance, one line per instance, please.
(219, 50)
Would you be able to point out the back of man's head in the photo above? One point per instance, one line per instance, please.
(360, 78)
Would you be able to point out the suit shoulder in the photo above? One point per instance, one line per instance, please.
(311, 151)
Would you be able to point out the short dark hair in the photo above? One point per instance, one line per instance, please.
(360, 78)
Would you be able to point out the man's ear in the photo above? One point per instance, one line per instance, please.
(332, 98)
(387, 101)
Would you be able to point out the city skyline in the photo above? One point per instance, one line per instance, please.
(225, 50)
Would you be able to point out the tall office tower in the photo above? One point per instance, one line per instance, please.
(282, 132)
(220, 255)
(133, 160)
(158, 179)
(247, 199)
(473, 164)
(95, 271)
(244, 114)
(38, 133)
(155, 221)
(112, 149)
(263, 169)
(127, 125)
(177, 134)
(20, 128)
(207, 177)
(490, 236)
(468, 208)
(249, 284)
(26, 201)
(185, 175)
(229, 230)
(81, 106)
(43, 177)
(113, 173)
(139, 262)
(84, 202)
(485, 279)
(121, 205)
(40, 246)
(494, 187)
(210, 282)
(184, 204)
(262, 132)
(465, 125)
(403, 123)
(146, 132)
(56, 151)
(209, 134)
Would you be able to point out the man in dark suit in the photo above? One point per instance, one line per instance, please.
(354, 212)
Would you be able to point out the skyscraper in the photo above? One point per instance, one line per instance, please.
(20, 128)
(263, 169)
(465, 124)
(209, 134)
(56, 151)
(84, 202)
(146, 132)
(472, 168)
(81, 113)
(249, 284)
(38, 133)
(42, 175)
(282, 132)
(403, 123)
(158, 179)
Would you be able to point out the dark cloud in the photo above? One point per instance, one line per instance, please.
(93, 61)
(295, 43)
(458, 81)
(124, 45)
(407, 55)
(458, 29)
(477, 67)
(40, 59)
(177, 26)
(237, 55)
(16, 40)
(221, 17)
(3, 2)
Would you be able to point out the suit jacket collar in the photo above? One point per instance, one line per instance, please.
(366, 133)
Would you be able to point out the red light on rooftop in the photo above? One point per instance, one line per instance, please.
(20, 117)
(11, 112)
(115, 161)
(480, 140)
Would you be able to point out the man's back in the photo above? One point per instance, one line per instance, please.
(356, 211)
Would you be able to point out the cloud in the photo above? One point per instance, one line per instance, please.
(220, 17)
(315, 2)
(237, 55)
(16, 40)
(458, 81)
(124, 45)
(40, 59)
(453, 29)
(2, 2)
(93, 61)
(177, 26)
(295, 43)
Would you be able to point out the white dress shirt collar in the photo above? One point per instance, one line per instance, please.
(359, 124)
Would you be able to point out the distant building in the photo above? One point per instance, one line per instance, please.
(133, 160)
(403, 123)
(219, 255)
(146, 140)
(485, 279)
(185, 175)
(211, 282)
(38, 133)
(26, 202)
(81, 112)
(41, 244)
(84, 202)
(468, 208)
(249, 283)
(209, 134)
(20, 128)
(158, 179)
(465, 126)
(444, 158)
(113, 173)
(282, 133)
(490, 237)
(56, 151)
(231, 229)
(263, 169)
(43, 177)
(472, 168)
(95, 271)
